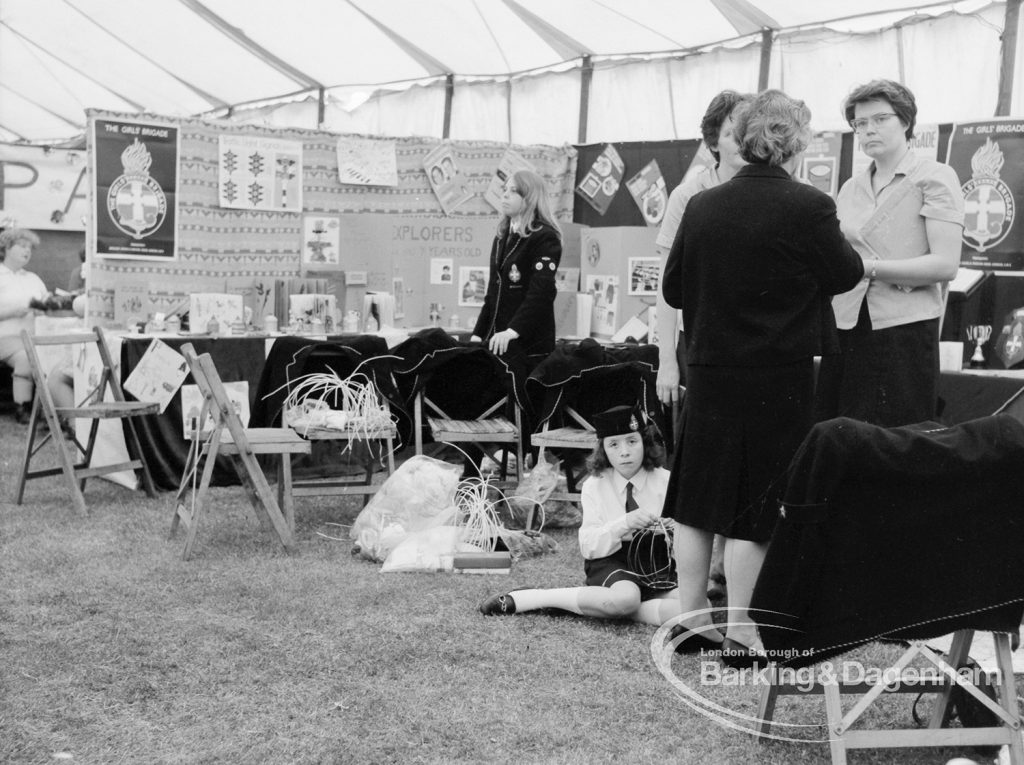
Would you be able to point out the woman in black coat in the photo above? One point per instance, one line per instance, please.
(519, 308)
(753, 268)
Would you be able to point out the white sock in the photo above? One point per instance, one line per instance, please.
(559, 597)
(657, 611)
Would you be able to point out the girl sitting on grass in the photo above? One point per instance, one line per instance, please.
(621, 499)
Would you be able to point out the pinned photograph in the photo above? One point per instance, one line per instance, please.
(442, 271)
(472, 286)
(644, 274)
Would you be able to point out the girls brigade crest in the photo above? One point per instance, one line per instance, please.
(989, 159)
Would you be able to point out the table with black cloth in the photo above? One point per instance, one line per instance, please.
(966, 396)
(239, 358)
(894, 534)
(162, 435)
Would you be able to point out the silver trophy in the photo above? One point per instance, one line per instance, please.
(979, 334)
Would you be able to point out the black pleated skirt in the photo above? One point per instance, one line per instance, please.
(887, 377)
(740, 428)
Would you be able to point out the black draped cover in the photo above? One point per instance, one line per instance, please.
(895, 533)
(591, 377)
(463, 379)
(293, 357)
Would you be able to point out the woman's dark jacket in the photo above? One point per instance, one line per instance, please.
(521, 289)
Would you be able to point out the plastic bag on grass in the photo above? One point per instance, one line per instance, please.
(418, 495)
(527, 544)
(427, 550)
(533, 491)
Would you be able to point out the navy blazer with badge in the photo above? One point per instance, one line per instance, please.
(521, 289)
(753, 267)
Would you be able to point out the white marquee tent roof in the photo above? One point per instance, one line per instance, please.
(325, 59)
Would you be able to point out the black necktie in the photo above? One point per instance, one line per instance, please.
(631, 503)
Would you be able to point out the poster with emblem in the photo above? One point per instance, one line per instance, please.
(258, 173)
(988, 156)
(602, 180)
(648, 190)
(135, 167)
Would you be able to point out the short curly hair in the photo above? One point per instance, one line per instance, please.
(718, 111)
(654, 453)
(773, 128)
(897, 95)
(12, 236)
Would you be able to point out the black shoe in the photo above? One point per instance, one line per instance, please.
(498, 605)
(738, 656)
(23, 414)
(696, 642)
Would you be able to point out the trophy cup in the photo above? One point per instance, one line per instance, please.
(979, 334)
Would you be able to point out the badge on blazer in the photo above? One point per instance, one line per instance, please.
(514, 275)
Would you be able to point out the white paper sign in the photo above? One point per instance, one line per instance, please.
(192, 405)
(224, 307)
(367, 162)
(260, 173)
(158, 375)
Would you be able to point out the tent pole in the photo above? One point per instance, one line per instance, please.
(449, 93)
(1009, 45)
(586, 75)
(766, 59)
(320, 107)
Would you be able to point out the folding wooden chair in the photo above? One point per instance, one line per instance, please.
(491, 430)
(383, 437)
(901, 678)
(579, 435)
(364, 359)
(229, 437)
(904, 535)
(75, 457)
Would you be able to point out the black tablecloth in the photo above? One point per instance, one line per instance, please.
(162, 435)
(964, 396)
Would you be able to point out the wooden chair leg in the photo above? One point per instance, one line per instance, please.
(75, 486)
(958, 651)
(29, 451)
(834, 715)
(135, 446)
(255, 506)
(284, 489)
(1008, 694)
(266, 499)
(199, 501)
(766, 703)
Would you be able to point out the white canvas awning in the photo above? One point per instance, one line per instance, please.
(485, 69)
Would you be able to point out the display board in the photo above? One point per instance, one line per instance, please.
(227, 249)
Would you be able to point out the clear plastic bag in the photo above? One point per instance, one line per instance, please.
(418, 495)
(533, 491)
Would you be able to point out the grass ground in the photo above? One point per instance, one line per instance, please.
(113, 650)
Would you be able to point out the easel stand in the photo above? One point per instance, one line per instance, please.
(840, 725)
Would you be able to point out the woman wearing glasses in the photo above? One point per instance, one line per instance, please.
(904, 216)
(520, 301)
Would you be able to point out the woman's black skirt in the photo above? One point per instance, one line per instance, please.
(740, 428)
